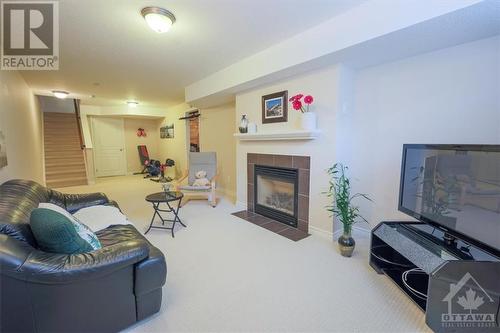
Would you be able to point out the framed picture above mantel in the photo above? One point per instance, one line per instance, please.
(275, 107)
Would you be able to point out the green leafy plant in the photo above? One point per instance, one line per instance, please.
(339, 192)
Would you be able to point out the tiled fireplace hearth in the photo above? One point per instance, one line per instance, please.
(278, 194)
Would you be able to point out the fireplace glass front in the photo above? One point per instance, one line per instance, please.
(276, 193)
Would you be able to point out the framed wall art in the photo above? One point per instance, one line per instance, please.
(275, 107)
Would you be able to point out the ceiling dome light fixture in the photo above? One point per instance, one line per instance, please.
(132, 104)
(60, 94)
(158, 19)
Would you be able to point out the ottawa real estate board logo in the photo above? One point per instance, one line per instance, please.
(469, 306)
(30, 35)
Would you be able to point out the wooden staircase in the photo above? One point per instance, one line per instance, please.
(64, 158)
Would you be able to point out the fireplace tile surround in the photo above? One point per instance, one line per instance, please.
(302, 164)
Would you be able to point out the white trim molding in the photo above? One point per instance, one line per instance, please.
(289, 135)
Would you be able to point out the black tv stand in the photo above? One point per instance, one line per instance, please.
(424, 261)
(449, 239)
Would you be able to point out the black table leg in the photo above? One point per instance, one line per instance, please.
(175, 211)
(157, 210)
(155, 207)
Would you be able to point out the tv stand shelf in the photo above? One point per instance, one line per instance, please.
(417, 258)
(420, 252)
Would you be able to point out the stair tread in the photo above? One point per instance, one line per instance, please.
(67, 180)
(61, 154)
(69, 142)
(61, 134)
(59, 115)
(53, 180)
(48, 130)
(62, 172)
(64, 150)
(65, 156)
(68, 163)
(50, 171)
(60, 180)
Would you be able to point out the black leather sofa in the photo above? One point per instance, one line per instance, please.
(103, 291)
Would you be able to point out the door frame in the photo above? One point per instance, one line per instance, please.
(188, 134)
(92, 131)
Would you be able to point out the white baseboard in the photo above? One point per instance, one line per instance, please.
(355, 228)
(320, 232)
(336, 233)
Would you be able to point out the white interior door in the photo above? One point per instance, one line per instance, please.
(109, 147)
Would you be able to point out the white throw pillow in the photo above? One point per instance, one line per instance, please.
(101, 217)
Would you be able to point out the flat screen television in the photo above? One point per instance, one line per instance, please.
(455, 188)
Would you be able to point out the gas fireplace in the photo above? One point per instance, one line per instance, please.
(276, 193)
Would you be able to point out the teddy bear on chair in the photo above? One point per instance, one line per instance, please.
(201, 179)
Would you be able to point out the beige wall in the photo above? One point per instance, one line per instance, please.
(132, 141)
(446, 96)
(216, 134)
(450, 96)
(21, 123)
(140, 111)
(175, 148)
(323, 85)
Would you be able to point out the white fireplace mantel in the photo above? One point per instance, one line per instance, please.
(285, 135)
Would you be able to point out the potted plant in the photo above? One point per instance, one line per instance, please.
(342, 206)
(308, 120)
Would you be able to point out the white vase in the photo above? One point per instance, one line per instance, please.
(308, 121)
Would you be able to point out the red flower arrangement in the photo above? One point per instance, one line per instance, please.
(297, 102)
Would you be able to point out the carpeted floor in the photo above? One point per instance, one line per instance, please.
(227, 275)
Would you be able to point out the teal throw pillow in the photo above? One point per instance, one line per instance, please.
(58, 232)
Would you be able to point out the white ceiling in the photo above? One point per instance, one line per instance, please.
(107, 50)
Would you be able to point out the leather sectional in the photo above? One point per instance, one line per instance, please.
(102, 291)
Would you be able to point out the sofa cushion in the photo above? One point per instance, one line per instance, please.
(100, 217)
(58, 232)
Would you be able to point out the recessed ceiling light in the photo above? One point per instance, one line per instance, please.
(60, 94)
(158, 19)
(132, 104)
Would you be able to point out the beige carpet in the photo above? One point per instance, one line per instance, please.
(227, 275)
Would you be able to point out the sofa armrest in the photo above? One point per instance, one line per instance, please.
(22, 262)
(113, 203)
(150, 273)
